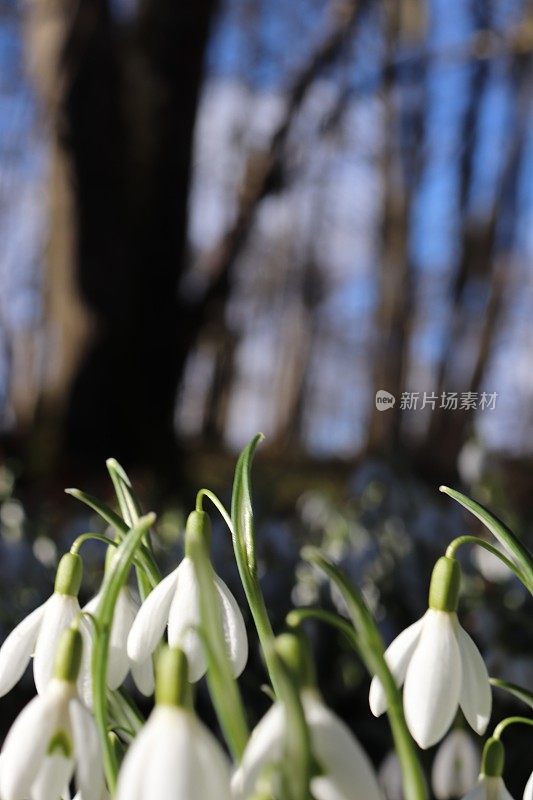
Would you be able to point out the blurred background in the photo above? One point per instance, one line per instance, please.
(228, 216)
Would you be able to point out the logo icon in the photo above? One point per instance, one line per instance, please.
(384, 400)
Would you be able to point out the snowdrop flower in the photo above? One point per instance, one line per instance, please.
(528, 791)
(490, 785)
(174, 757)
(439, 664)
(456, 766)
(390, 777)
(119, 664)
(347, 773)
(39, 634)
(175, 602)
(54, 736)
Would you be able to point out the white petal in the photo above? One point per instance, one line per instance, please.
(124, 616)
(89, 771)
(137, 761)
(390, 777)
(265, 747)
(143, 675)
(184, 617)
(349, 775)
(186, 762)
(26, 744)
(53, 777)
(61, 610)
(151, 620)
(18, 648)
(476, 695)
(85, 678)
(234, 628)
(456, 766)
(489, 789)
(433, 680)
(397, 656)
(528, 791)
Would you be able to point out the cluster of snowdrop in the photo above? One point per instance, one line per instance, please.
(84, 729)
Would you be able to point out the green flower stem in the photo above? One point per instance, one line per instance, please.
(112, 585)
(223, 687)
(86, 537)
(298, 615)
(461, 540)
(217, 503)
(517, 691)
(144, 557)
(505, 723)
(371, 650)
(124, 710)
(513, 545)
(297, 762)
(243, 536)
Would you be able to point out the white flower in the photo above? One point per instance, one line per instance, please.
(174, 757)
(51, 738)
(390, 777)
(119, 663)
(38, 635)
(528, 791)
(456, 766)
(488, 788)
(347, 771)
(175, 602)
(442, 669)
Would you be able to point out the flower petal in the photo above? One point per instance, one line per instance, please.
(264, 747)
(118, 664)
(184, 617)
(135, 767)
(234, 628)
(214, 764)
(349, 775)
(476, 695)
(433, 679)
(26, 744)
(143, 675)
(456, 766)
(17, 649)
(489, 789)
(60, 611)
(89, 771)
(397, 656)
(151, 620)
(53, 778)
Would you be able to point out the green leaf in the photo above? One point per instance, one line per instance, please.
(517, 691)
(512, 543)
(241, 504)
(130, 507)
(107, 514)
(370, 648)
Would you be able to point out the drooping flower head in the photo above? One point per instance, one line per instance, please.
(174, 757)
(456, 766)
(439, 664)
(490, 785)
(175, 604)
(54, 737)
(40, 632)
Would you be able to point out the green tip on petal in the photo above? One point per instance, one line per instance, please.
(493, 758)
(197, 531)
(293, 649)
(171, 678)
(445, 585)
(68, 656)
(69, 574)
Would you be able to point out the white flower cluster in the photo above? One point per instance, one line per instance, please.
(63, 733)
